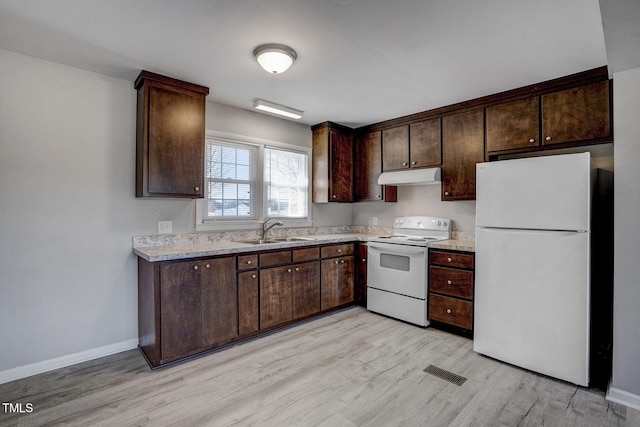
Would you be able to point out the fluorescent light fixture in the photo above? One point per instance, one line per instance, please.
(282, 110)
(274, 58)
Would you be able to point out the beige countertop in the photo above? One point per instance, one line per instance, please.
(170, 247)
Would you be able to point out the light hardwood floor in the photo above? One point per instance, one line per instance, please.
(351, 368)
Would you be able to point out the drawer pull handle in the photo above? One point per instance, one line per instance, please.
(208, 265)
(339, 251)
(249, 262)
(448, 311)
(364, 260)
(288, 270)
(341, 261)
(253, 276)
(297, 268)
(335, 262)
(448, 282)
(195, 267)
(449, 259)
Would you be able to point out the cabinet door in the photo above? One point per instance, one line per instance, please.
(341, 184)
(368, 168)
(360, 292)
(306, 289)
(219, 300)
(180, 308)
(395, 148)
(462, 148)
(425, 144)
(513, 125)
(248, 302)
(337, 282)
(577, 114)
(276, 304)
(176, 142)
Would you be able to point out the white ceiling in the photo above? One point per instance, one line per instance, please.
(359, 61)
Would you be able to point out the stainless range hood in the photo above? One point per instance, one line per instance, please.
(410, 177)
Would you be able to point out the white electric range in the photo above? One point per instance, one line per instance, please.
(397, 271)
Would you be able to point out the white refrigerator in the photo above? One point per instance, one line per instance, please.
(532, 284)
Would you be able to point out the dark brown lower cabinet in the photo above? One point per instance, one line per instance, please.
(186, 307)
(276, 297)
(192, 306)
(306, 289)
(248, 302)
(337, 281)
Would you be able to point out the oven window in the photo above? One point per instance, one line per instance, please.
(395, 262)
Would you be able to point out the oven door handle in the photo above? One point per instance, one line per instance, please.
(397, 248)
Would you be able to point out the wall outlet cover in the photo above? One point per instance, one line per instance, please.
(165, 227)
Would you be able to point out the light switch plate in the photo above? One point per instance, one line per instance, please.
(165, 227)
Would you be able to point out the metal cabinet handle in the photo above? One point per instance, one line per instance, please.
(532, 140)
(448, 282)
(334, 196)
(335, 262)
(339, 250)
(253, 276)
(446, 193)
(414, 163)
(196, 189)
(548, 138)
(404, 163)
(341, 261)
(288, 270)
(208, 265)
(195, 267)
(297, 268)
(449, 259)
(448, 311)
(377, 196)
(364, 260)
(249, 262)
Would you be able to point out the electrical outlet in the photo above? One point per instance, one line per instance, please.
(165, 227)
(374, 220)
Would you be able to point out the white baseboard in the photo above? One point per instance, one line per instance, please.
(61, 362)
(623, 397)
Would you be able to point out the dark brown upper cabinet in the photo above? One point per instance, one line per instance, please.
(332, 163)
(416, 145)
(577, 114)
(368, 167)
(170, 137)
(462, 147)
(513, 125)
(425, 144)
(395, 148)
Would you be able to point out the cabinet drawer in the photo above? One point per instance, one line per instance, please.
(451, 259)
(306, 254)
(451, 311)
(449, 281)
(337, 250)
(247, 262)
(275, 258)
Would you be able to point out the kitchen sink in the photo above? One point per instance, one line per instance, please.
(259, 241)
(278, 240)
(294, 239)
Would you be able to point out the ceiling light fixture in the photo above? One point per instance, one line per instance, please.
(282, 110)
(274, 58)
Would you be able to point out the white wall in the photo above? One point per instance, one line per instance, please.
(625, 385)
(417, 200)
(68, 278)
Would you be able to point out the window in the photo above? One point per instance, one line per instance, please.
(231, 180)
(247, 181)
(285, 183)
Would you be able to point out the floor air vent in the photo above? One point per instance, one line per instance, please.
(445, 375)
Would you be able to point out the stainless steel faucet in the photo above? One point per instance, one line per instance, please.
(265, 229)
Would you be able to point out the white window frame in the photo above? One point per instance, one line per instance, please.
(204, 224)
